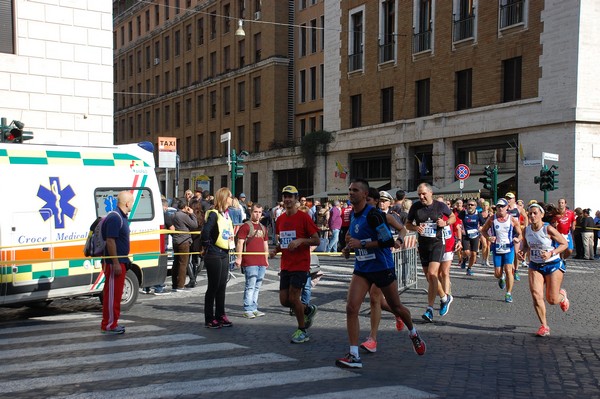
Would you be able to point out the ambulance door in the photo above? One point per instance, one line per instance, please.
(32, 251)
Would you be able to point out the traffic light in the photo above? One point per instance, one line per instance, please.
(553, 178)
(237, 169)
(488, 179)
(14, 132)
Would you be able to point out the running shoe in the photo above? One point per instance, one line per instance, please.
(115, 331)
(508, 297)
(309, 318)
(399, 323)
(564, 305)
(213, 324)
(428, 315)
(502, 281)
(445, 306)
(258, 313)
(463, 264)
(543, 331)
(299, 337)
(487, 263)
(349, 361)
(517, 276)
(470, 272)
(418, 344)
(224, 321)
(249, 315)
(370, 345)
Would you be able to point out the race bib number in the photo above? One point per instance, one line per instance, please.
(430, 229)
(363, 254)
(473, 233)
(285, 237)
(502, 248)
(447, 232)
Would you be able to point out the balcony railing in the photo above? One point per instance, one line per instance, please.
(422, 41)
(511, 14)
(463, 28)
(355, 62)
(386, 52)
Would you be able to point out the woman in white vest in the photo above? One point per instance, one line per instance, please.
(546, 269)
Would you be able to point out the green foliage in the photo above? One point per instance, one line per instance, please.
(312, 143)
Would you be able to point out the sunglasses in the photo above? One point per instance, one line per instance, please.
(471, 204)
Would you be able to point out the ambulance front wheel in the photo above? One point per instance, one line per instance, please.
(130, 291)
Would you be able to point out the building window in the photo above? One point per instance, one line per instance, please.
(157, 51)
(372, 167)
(147, 21)
(256, 136)
(177, 78)
(322, 80)
(188, 37)
(213, 64)
(302, 128)
(200, 146)
(464, 89)
(242, 9)
(200, 69)
(302, 86)
(157, 84)
(178, 114)
(213, 146)
(188, 153)
(226, 59)
(200, 107)
(241, 95)
(511, 79)
(257, 95)
(464, 20)
(303, 40)
(148, 122)
(313, 83)
(188, 111)
(227, 100)
(226, 19)
(424, 26)
(387, 30)
(213, 25)
(387, 104)
(511, 12)
(177, 6)
(355, 110)
(177, 43)
(148, 57)
(313, 36)
(242, 53)
(322, 32)
(213, 104)
(167, 48)
(167, 10)
(312, 124)
(200, 31)
(355, 56)
(257, 48)
(422, 97)
(156, 15)
(156, 120)
(188, 73)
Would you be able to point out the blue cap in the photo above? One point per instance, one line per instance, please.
(242, 195)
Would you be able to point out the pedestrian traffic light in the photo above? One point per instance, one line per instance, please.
(553, 178)
(237, 169)
(14, 132)
(488, 178)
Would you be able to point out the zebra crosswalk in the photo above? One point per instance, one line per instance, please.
(69, 358)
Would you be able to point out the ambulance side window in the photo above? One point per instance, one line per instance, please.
(105, 199)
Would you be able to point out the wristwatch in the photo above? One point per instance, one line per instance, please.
(363, 243)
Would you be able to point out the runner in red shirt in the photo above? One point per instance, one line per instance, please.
(296, 232)
(564, 221)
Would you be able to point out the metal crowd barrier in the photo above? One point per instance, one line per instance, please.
(406, 260)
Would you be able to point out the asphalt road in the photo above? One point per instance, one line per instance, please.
(483, 347)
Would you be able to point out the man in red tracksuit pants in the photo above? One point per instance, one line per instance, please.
(115, 229)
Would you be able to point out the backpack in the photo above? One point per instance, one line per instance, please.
(95, 243)
(252, 233)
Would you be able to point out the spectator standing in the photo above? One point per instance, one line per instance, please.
(587, 234)
(335, 224)
(217, 241)
(597, 234)
(564, 222)
(252, 237)
(577, 237)
(195, 263)
(243, 206)
(115, 230)
(206, 204)
(184, 221)
(236, 213)
(296, 233)
(346, 215)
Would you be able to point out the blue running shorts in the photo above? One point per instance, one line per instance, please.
(504, 259)
(548, 268)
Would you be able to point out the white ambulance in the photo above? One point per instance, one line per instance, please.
(50, 196)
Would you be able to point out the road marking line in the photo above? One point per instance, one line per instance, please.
(222, 384)
(125, 373)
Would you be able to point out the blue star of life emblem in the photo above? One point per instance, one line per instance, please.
(57, 200)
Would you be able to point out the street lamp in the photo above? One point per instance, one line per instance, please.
(240, 30)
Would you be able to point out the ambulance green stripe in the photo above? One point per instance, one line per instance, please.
(28, 161)
(3, 153)
(126, 157)
(146, 256)
(99, 162)
(63, 154)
